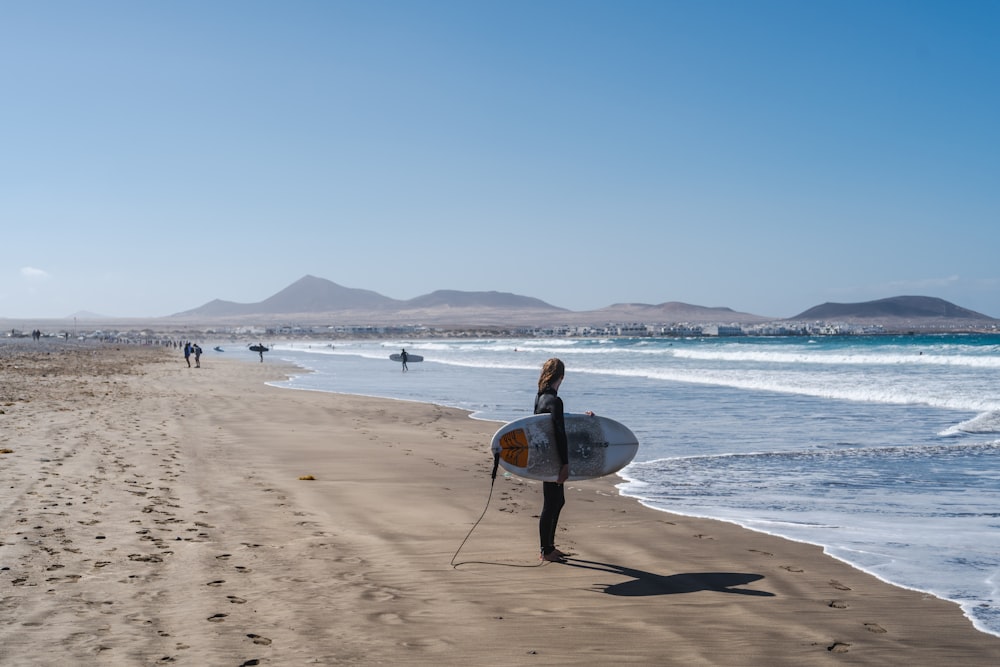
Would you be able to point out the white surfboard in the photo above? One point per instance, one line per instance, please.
(597, 446)
(410, 358)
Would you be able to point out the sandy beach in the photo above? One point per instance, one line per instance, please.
(157, 514)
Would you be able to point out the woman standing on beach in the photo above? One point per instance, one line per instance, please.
(547, 401)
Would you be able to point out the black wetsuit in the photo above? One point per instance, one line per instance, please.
(553, 494)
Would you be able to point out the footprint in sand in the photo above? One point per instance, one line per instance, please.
(876, 628)
(837, 604)
(235, 600)
(217, 618)
(257, 639)
(217, 582)
(839, 586)
(145, 558)
(838, 647)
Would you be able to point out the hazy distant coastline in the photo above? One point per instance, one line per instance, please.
(318, 307)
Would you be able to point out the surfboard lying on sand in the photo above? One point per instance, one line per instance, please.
(597, 446)
(409, 357)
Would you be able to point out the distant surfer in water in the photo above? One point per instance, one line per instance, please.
(553, 493)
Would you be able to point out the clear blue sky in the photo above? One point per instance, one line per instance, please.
(763, 155)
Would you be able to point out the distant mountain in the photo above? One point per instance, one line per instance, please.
(312, 299)
(306, 295)
(892, 309)
(456, 299)
(311, 295)
(320, 297)
(675, 311)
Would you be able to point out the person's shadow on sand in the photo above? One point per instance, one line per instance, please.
(647, 583)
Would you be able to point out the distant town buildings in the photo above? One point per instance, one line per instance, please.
(148, 336)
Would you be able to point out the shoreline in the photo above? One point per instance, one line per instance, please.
(156, 511)
(969, 591)
(613, 481)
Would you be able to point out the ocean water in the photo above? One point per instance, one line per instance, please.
(883, 450)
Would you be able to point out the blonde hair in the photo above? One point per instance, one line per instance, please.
(552, 370)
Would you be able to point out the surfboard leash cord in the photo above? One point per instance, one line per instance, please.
(493, 479)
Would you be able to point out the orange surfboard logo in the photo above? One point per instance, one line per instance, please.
(514, 448)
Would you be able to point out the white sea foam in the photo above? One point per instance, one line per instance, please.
(839, 359)
(986, 422)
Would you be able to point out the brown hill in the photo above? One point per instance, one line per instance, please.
(312, 298)
(893, 309)
(306, 295)
(315, 300)
(675, 311)
(457, 299)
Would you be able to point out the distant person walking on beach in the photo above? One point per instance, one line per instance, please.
(187, 353)
(197, 356)
(553, 493)
(403, 356)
